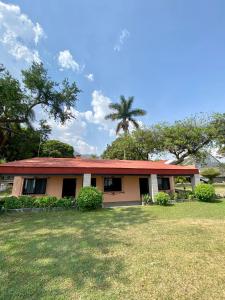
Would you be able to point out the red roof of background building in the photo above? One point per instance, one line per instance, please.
(57, 166)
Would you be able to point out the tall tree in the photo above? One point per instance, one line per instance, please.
(18, 101)
(23, 142)
(134, 146)
(54, 148)
(125, 114)
(184, 138)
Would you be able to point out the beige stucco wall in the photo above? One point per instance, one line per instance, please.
(54, 185)
(130, 187)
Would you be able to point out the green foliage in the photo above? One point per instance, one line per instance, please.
(134, 146)
(12, 202)
(89, 198)
(185, 137)
(46, 201)
(30, 202)
(210, 173)
(162, 198)
(26, 201)
(54, 148)
(173, 195)
(18, 101)
(147, 199)
(125, 114)
(204, 192)
(23, 142)
(64, 202)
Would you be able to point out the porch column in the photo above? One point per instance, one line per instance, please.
(86, 180)
(195, 179)
(153, 186)
(172, 184)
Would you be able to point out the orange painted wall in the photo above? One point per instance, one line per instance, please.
(130, 187)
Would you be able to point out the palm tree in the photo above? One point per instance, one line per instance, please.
(125, 113)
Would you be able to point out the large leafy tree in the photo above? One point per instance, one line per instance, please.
(184, 138)
(54, 148)
(125, 114)
(18, 101)
(218, 123)
(135, 146)
(23, 142)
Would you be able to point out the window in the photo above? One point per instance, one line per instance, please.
(34, 186)
(93, 182)
(163, 183)
(112, 184)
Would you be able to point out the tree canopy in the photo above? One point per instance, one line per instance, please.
(189, 137)
(134, 146)
(210, 173)
(54, 148)
(18, 101)
(124, 113)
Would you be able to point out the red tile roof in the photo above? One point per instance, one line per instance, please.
(48, 165)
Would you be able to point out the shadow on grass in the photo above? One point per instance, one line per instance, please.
(42, 254)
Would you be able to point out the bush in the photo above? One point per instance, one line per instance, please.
(46, 201)
(205, 192)
(26, 201)
(89, 198)
(146, 199)
(12, 202)
(173, 195)
(162, 198)
(64, 202)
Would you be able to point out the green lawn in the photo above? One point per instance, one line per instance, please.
(219, 188)
(175, 252)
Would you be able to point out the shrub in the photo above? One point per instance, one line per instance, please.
(146, 199)
(89, 198)
(173, 195)
(46, 201)
(210, 173)
(64, 202)
(162, 198)
(204, 192)
(12, 202)
(26, 201)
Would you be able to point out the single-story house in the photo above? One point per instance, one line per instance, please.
(121, 181)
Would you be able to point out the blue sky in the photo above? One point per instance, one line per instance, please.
(169, 55)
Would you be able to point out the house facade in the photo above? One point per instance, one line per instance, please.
(121, 181)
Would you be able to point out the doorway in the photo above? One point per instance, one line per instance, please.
(69, 187)
(144, 187)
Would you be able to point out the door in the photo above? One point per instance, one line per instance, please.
(144, 187)
(69, 187)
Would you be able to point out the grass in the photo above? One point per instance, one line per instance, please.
(175, 252)
(6, 192)
(219, 188)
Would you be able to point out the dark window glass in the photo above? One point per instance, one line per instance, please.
(93, 182)
(34, 186)
(112, 184)
(163, 183)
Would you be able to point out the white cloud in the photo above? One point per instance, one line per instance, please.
(124, 35)
(100, 108)
(18, 34)
(90, 77)
(66, 61)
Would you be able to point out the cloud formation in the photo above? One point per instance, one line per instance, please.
(100, 108)
(18, 34)
(124, 35)
(90, 77)
(66, 61)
